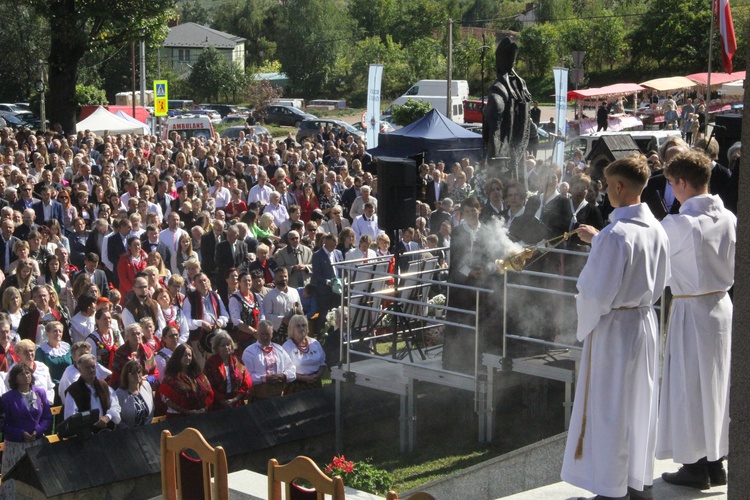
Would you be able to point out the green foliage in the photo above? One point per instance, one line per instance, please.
(538, 49)
(411, 111)
(87, 95)
(23, 40)
(554, 10)
(254, 20)
(360, 475)
(213, 75)
(191, 11)
(313, 34)
(673, 34)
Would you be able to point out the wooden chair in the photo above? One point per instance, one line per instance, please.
(173, 485)
(420, 495)
(302, 468)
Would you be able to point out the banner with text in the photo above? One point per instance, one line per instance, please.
(561, 113)
(373, 104)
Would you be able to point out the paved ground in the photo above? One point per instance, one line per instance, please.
(662, 490)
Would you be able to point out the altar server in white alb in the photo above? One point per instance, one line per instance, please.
(694, 409)
(612, 435)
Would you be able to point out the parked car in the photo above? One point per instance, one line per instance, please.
(234, 120)
(212, 114)
(222, 109)
(286, 115)
(10, 107)
(12, 120)
(234, 132)
(310, 127)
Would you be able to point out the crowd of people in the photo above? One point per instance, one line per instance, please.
(145, 276)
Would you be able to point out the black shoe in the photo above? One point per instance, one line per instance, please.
(646, 494)
(691, 475)
(717, 473)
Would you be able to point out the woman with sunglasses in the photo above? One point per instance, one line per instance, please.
(70, 213)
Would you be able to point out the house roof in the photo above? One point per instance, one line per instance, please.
(195, 35)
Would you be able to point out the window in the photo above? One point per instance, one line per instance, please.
(184, 55)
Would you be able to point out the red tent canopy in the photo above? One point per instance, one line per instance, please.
(716, 78)
(618, 88)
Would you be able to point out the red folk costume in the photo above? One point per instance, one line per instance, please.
(186, 392)
(144, 355)
(8, 357)
(216, 372)
(127, 268)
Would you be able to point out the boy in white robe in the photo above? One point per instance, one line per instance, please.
(612, 435)
(694, 409)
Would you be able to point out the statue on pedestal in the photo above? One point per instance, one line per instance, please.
(505, 127)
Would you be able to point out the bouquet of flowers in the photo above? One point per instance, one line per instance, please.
(360, 475)
(433, 312)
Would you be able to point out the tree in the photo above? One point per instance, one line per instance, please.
(538, 48)
(254, 20)
(211, 75)
(191, 11)
(24, 36)
(673, 34)
(259, 94)
(411, 111)
(312, 36)
(77, 27)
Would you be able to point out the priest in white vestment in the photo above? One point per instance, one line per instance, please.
(612, 435)
(694, 408)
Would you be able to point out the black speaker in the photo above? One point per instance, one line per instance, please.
(397, 193)
(728, 131)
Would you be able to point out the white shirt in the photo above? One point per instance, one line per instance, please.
(222, 196)
(279, 212)
(105, 253)
(306, 363)
(42, 380)
(277, 303)
(114, 405)
(172, 239)
(81, 327)
(362, 226)
(128, 318)
(255, 362)
(71, 374)
(209, 313)
(259, 194)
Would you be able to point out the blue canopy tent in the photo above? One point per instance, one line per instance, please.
(435, 135)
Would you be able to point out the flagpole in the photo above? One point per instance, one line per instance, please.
(710, 51)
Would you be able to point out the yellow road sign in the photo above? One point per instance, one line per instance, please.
(161, 97)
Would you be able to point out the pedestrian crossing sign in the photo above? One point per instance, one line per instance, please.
(161, 90)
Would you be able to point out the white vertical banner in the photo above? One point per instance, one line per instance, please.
(372, 118)
(561, 113)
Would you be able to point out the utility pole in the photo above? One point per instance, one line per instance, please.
(483, 48)
(448, 104)
(42, 88)
(132, 71)
(143, 73)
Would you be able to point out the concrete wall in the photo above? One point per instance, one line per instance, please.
(524, 469)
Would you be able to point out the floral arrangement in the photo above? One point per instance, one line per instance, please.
(360, 475)
(437, 300)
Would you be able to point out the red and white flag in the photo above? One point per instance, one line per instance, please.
(726, 27)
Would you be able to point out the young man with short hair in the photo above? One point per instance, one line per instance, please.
(612, 435)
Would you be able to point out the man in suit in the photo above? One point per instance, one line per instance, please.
(658, 194)
(404, 245)
(162, 199)
(84, 176)
(336, 222)
(91, 268)
(77, 239)
(117, 245)
(442, 214)
(721, 176)
(28, 225)
(230, 253)
(96, 236)
(7, 242)
(436, 190)
(209, 242)
(150, 243)
(351, 194)
(323, 274)
(26, 200)
(286, 198)
(48, 209)
(296, 259)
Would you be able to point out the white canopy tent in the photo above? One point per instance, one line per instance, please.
(102, 120)
(734, 88)
(146, 129)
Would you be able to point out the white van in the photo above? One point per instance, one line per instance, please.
(646, 140)
(290, 101)
(189, 126)
(459, 88)
(438, 102)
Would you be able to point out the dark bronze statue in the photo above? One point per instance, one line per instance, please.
(505, 127)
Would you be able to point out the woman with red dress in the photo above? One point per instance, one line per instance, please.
(185, 390)
(229, 378)
(133, 348)
(236, 206)
(130, 264)
(307, 202)
(104, 341)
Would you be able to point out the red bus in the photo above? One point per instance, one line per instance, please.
(473, 110)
